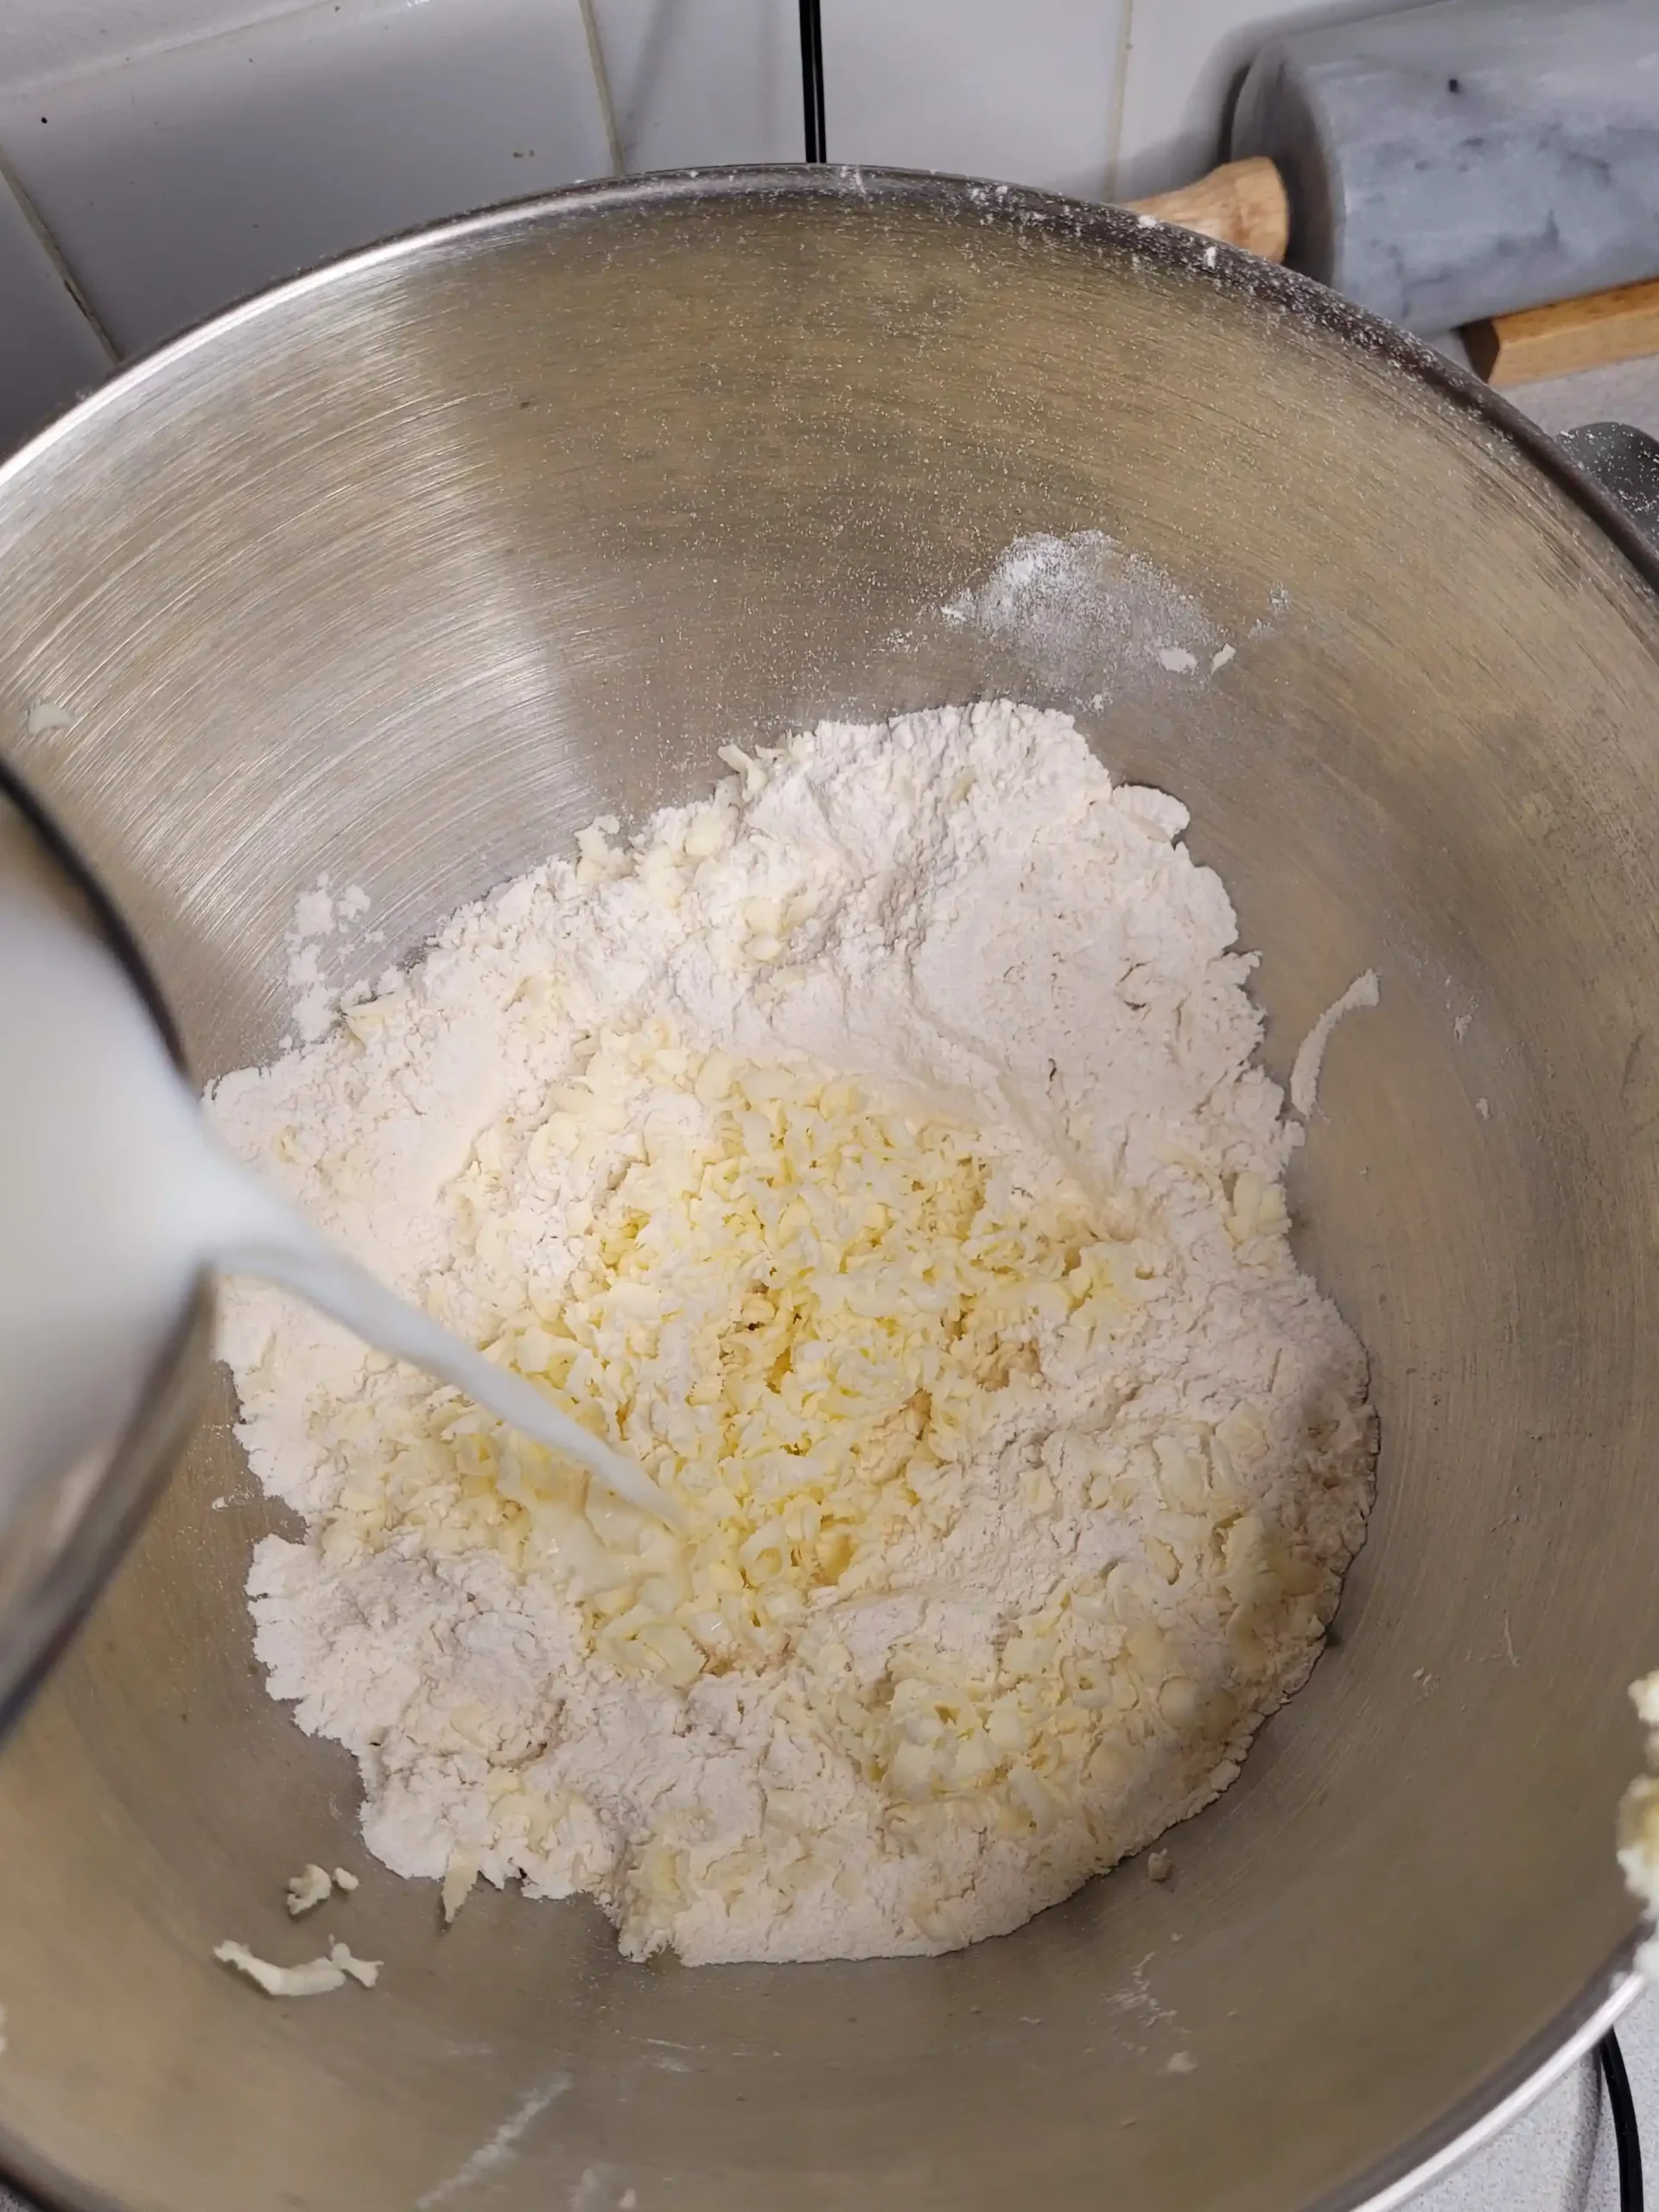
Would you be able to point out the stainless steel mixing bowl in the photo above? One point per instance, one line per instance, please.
(405, 572)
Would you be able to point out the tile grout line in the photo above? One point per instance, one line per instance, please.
(10, 181)
(603, 86)
(1119, 95)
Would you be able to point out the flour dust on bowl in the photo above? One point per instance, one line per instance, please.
(626, 476)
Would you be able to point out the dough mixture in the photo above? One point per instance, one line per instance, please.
(875, 1150)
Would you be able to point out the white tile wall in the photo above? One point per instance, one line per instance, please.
(176, 183)
(194, 149)
(1022, 89)
(695, 82)
(1183, 62)
(49, 352)
(47, 39)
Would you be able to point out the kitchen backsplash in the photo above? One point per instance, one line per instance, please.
(160, 158)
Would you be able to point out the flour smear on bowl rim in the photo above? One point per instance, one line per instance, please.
(875, 1148)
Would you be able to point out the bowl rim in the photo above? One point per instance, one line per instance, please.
(1162, 246)
(144, 1456)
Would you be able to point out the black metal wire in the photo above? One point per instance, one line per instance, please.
(812, 79)
(1627, 2136)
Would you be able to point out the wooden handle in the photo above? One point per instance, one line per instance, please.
(1589, 333)
(1243, 203)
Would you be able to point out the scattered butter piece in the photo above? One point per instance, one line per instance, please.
(309, 1890)
(1638, 1825)
(458, 1878)
(1363, 991)
(367, 1971)
(314, 1979)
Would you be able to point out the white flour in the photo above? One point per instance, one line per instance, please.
(878, 1146)
(1081, 610)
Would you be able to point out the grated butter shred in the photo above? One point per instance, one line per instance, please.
(875, 1151)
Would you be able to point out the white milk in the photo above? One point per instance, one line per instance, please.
(114, 1198)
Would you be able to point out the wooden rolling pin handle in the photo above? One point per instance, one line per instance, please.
(1242, 203)
(1591, 332)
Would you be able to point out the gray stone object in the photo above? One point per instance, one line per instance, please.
(1469, 158)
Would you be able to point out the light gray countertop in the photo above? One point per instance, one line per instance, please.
(1558, 2157)
(1627, 394)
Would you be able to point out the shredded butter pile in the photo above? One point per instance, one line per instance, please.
(798, 1310)
(874, 1153)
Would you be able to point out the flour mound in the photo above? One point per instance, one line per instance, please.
(875, 1150)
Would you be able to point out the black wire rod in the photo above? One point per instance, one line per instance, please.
(1627, 2136)
(812, 79)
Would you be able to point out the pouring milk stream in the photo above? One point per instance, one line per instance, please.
(115, 1197)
